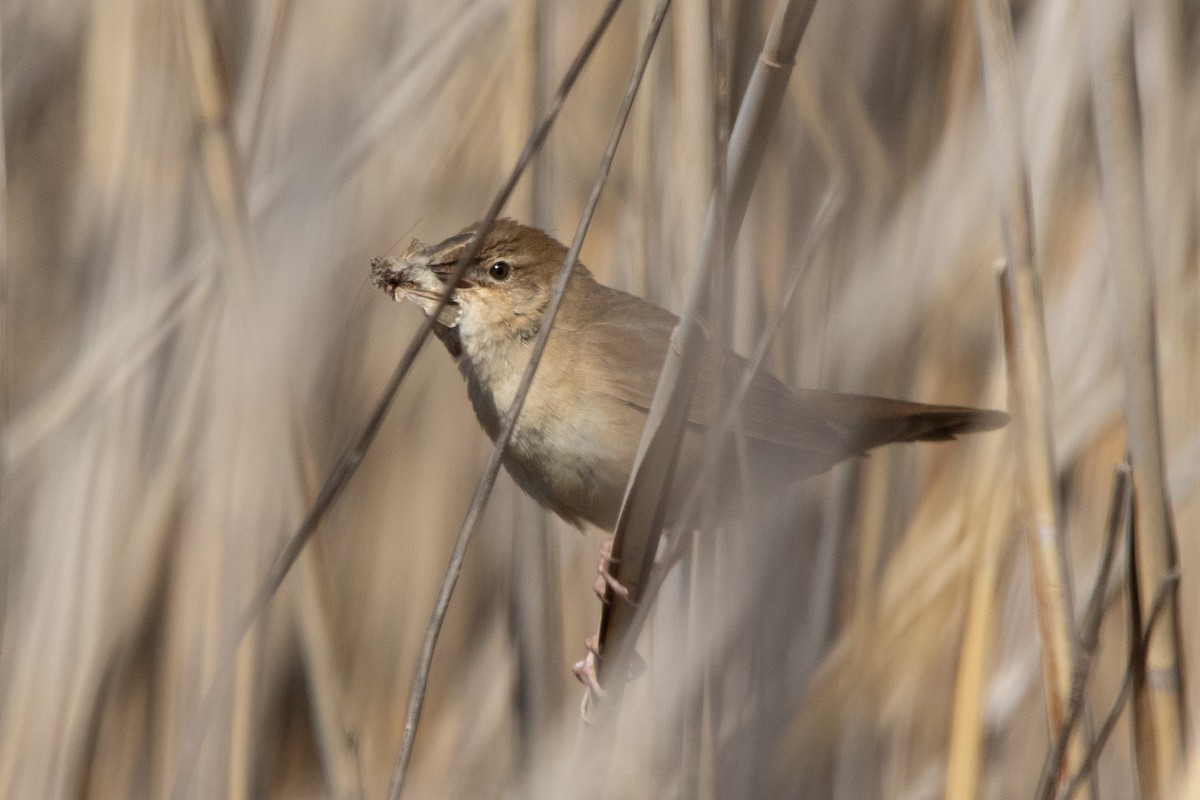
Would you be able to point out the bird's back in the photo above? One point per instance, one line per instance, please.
(622, 342)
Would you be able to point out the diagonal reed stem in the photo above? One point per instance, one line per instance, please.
(483, 491)
(1120, 519)
(1139, 651)
(639, 526)
(346, 465)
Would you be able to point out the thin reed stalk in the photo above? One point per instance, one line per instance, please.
(222, 160)
(818, 230)
(1160, 698)
(1117, 530)
(535, 607)
(522, 98)
(314, 620)
(639, 525)
(225, 181)
(1140, 638)
(703, 51)
(964, 759)
(693, 505)
(346, 465)
(262, 72)
(5, 335)
(483, 491)
(1028, 360)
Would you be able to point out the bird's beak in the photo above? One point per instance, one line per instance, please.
(419, 275)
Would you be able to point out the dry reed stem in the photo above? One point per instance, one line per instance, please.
(190, 392)
(6, 569)
(1138, 652)
(639, 525)
(348, 462)
(691, 509)
(261, 72)
(1025, 338)
(1161, 695)
(964, 762)
(707, 710)
(1047, 592)
(314, 623)
(1145, 742)
(226, 186)
(97, 701)
(522, 98)
(693, 506)
(5, 335)
(1120, 520)
(225, 181)
(314, 620)
(222, 161)
(416, 698)
(641, 217)
(535, 610)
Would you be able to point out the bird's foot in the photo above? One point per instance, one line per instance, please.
(586, 668)
(586, 672)
(605, 582)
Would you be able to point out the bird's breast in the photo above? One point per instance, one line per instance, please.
(573, 446)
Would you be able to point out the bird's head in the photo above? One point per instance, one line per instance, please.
(504, 290)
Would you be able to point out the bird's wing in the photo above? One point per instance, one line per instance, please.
(625, 333)
(823, 426)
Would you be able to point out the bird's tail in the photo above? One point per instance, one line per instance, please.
(869, 422)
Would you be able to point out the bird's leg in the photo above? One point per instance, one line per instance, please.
(585, 670)
(605, 586)
(605, 582)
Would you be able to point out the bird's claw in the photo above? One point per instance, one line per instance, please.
(605, 582)
(585, 671)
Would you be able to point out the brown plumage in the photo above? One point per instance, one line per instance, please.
(574, 445)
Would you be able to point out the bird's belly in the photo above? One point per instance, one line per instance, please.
(566, 467)
(573, 457)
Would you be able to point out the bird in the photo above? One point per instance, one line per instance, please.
(577, 437)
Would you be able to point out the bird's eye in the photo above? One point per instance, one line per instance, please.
(500, 270)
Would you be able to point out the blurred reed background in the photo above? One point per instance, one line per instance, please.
(194, 193)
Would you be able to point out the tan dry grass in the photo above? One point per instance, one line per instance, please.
(163, 428)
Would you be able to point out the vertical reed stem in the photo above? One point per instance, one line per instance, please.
(1159, 694)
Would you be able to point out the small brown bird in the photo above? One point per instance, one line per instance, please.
(575, 442)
